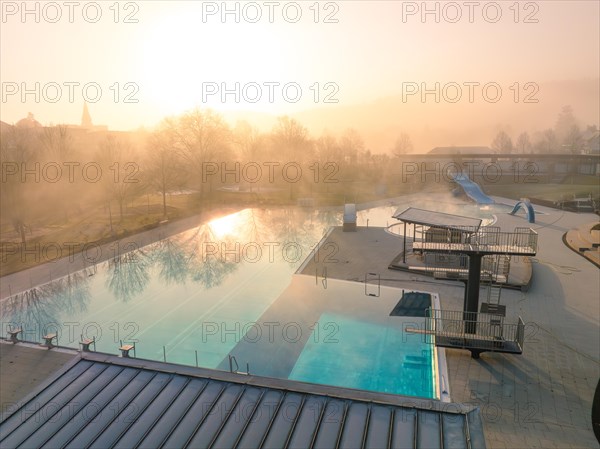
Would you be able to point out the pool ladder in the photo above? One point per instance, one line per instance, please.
(372, 277)
(323, 279)
(232, 361)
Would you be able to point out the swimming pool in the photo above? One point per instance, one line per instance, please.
(381, 216)
(227, 271)
(205, 294)
(403, 365)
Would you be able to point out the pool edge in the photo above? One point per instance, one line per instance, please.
(440, 365)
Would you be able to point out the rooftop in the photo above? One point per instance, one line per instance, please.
(107, 401)
(423, 217)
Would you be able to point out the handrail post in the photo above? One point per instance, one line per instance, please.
(233, 360)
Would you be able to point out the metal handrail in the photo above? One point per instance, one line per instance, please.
(232, 360)
(520, 241)
(458, 266)
(488, 328)
(367, 279)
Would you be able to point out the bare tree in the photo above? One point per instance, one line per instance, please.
(291, 139)
(328, 149)
(502, 143)
(573, 141)
(547, 142)
(120, 171)
(291, 142)
(523, 142)
(248, 141)
(201, 137)
(58, 149)
(403, 145)
(564, 123)
(163, 168)
(352, 145)
(57, 142)
(18, 153)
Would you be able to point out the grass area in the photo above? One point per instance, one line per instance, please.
(93, 225)
(549, 192)
(50, 237)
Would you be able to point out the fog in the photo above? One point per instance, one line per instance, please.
(115, 118)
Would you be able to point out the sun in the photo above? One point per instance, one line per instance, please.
(182, 62)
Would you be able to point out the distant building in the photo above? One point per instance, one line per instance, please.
(86, 121)
(4, 127)
(28, 122)
(462, 150)
(489, 167)
(86, 118)
(85, 136)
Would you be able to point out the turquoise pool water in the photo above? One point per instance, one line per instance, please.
(369, 356)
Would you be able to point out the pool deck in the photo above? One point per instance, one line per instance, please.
(542, 398)
(23, 368)
(585, 241)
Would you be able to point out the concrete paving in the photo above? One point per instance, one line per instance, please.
(585, 241)
(23, 368)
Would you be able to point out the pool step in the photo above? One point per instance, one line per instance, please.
(417, 361)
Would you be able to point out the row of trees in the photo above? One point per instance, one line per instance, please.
(56, 173)
(182, 146)
(566, 136)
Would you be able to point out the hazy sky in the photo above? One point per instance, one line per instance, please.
(179, 52)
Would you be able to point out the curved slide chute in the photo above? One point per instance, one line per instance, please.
(525, 204)
(472, 189)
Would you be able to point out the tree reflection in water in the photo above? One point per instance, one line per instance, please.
(210, 270)
(297, 226)
(72, 292)
(213, 272)
(127, 274)
(39, 309)
(176, 259)
(172, 261)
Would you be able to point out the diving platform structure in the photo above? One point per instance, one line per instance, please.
(451, 329)
(441, 233)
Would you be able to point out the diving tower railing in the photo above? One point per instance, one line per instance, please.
(475, 331)
(521, 241)
(494, 267)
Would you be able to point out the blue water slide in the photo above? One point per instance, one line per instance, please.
(525, 204)
(472, 189)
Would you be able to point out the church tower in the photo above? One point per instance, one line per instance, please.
(86, 119)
